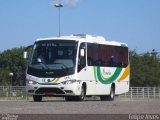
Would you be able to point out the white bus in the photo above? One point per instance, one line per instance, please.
(77, 66)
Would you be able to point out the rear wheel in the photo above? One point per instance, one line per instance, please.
(37, 98)
(109, 97)
(112, 94)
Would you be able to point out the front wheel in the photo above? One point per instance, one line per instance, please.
(82, 95)
(77, 98)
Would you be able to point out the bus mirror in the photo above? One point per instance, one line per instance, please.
(82, 52)
(25, 55)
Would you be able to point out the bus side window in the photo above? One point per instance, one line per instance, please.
(112, 62)
(82, 59)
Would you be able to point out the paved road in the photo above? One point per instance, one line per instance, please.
(119, 106)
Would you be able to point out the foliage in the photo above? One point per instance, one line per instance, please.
(145, 69)
(11, 61)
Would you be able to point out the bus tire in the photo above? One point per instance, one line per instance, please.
(37, 98)
(109, 97)
(83, 93)
(77, 98)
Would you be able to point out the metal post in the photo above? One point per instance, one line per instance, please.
(148, 92)
(137, 92)
(59, 21)
(59, 16)
(154, 90)
(11, 74)
(143, 92)
(131, 92)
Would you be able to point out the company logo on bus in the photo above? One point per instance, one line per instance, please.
(49, 80)
(106, 72)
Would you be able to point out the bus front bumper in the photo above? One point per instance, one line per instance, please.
(53, 90)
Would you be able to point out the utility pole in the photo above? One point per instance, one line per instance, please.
(59, 5)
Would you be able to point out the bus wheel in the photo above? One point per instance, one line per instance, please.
(83, 93)
(77, 98)
(37, 98)
(109, 97)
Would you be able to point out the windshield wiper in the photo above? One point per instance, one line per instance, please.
(43, 64)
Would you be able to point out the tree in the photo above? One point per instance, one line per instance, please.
(145, 69)
(12, 61)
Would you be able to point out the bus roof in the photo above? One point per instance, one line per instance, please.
(85, 38)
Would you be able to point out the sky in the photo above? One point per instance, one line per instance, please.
(135, 22)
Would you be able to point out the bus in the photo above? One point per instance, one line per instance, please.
(77, 66)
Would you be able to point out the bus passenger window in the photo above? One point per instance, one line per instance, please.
(112, 62)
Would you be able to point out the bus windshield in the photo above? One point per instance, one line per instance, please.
(53, 55)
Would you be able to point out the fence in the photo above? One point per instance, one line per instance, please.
(19, 93)
(13, 93)
(142, 92)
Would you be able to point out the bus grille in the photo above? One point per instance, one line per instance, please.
(48, 83)
(49, 91)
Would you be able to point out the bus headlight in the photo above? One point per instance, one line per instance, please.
(31, 82)
(68, 82)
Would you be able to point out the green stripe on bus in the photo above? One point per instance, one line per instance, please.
(95, 73)
(108, 80)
